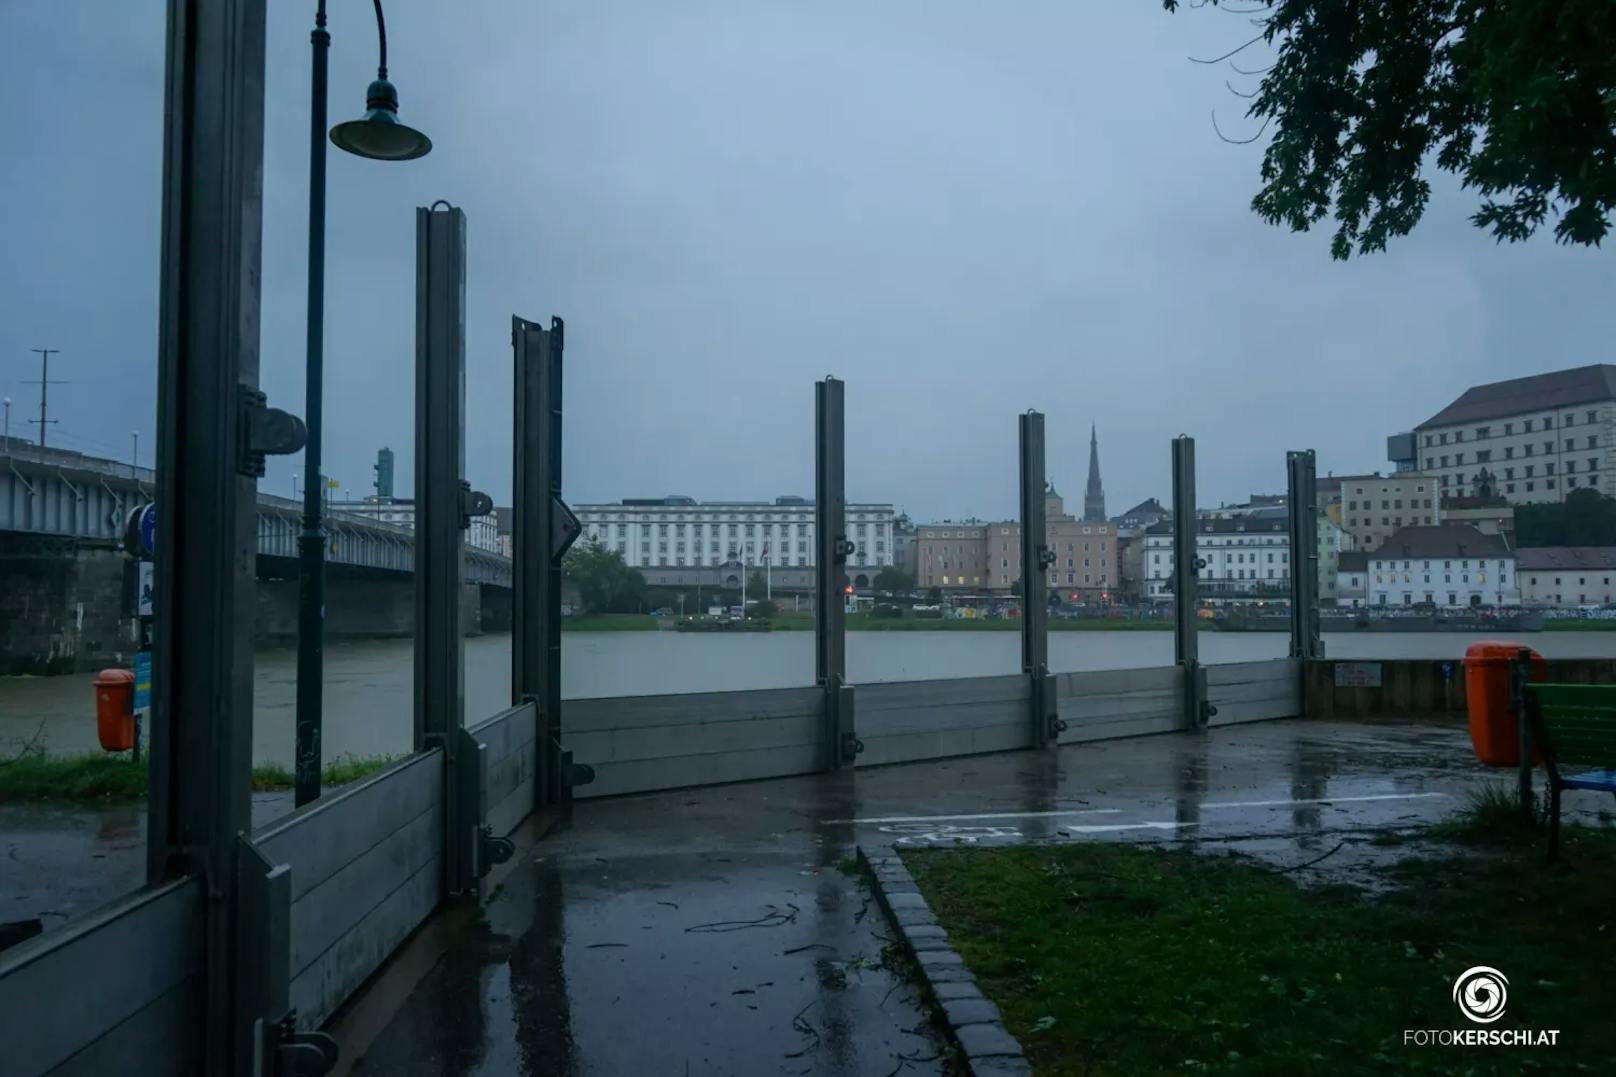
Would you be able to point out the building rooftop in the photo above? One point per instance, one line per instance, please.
(1262, 521)
(1565, 557)
(1539, 392)
(1148, 507)
(1352, 561)
(1441, 540)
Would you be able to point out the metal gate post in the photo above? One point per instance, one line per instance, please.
(444, 505)
(542, 528)
(1036, 557)
(1302, 498)
(213, 431)
(1187, 565)
(831, 550)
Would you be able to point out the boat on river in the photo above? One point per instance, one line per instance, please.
(724, 624)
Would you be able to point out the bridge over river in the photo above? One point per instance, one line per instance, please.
(66, 586)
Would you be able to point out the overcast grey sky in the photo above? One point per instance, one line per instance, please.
(962, 209)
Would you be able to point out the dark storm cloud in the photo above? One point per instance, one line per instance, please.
(964, 210)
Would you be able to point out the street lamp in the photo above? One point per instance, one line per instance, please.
(377, 135)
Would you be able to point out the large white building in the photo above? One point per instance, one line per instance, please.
(681, 532)
(1247, 557)
(1539, 437)
(1445, 565)
(1567, 576)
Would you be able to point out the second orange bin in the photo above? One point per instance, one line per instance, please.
(1494, 729)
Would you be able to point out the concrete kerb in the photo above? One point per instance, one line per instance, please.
(973, 1022)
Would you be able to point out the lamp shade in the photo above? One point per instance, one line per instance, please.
(378, 134)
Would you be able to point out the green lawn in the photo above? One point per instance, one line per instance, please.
(1114, 959)
(1555, 624)
(35, 776)
(611, 622)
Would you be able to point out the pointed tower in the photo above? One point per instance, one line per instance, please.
(1094, 495)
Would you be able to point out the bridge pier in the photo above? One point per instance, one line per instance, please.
(63, 605)
(367, 608)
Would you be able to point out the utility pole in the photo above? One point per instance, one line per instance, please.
(44, 387)
(134, 457)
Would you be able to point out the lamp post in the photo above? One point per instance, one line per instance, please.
(379, 136)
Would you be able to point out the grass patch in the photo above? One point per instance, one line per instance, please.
(1556, 624)
(37, 777)
(611, 622)
(1492, 815)
(1111, 959)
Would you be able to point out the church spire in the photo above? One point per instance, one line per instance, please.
(1094, 494)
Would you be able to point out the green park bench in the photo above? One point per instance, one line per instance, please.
(1574, 725)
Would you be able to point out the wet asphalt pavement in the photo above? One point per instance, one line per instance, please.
(710, 931)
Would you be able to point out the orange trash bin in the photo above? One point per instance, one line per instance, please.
(115, 709)
(1494, 730)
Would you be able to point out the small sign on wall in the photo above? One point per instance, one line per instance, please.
(1357, 674)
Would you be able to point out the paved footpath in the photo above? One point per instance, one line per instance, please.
(711, 931)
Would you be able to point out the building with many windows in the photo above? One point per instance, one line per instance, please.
(977, 556)
(1444, 565)
(1539, 437)
(1248, 557)
(1372, 507)
(663, 535)
(1566, 576)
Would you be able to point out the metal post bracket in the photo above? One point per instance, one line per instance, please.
(264, 431)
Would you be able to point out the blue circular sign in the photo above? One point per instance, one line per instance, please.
(148, 529)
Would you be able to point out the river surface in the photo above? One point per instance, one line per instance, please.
(368, 684)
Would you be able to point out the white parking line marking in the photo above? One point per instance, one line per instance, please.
(1319, 800)
(979, 815)
(1111, 828)
(1209, 805)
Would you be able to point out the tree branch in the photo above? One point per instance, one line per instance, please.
(1238, 141)
(1232, 52)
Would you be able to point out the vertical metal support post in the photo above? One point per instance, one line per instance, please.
(1187, 565)
(1036, 557)
(1302, 499)
(205, 576)
(1523, 677)
(542, 528)
(441, 497)
(831, 550)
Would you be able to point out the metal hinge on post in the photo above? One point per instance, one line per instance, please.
(302, 1054)
(473, 503)
(264, 431)
(1046, 699)
(492, 850)
(841, 550)
(1046, 559)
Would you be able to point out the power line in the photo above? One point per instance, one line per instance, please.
(44, 384)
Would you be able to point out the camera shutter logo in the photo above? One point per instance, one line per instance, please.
(1480, 994)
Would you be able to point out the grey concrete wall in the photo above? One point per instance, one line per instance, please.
(1419, 688)
(62, 605)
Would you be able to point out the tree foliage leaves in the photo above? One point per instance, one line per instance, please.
(1515, 97)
